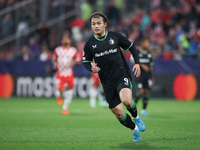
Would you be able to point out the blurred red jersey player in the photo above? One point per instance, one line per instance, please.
(94, 89)
(96, 83)
(64, 58)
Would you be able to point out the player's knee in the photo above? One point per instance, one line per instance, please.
(61, 91)
(126, 99)
(69, 88)
(119, 116)
(128, 102)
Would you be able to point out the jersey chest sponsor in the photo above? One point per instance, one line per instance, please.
(144, 60)
(106, 52)
(104, 48)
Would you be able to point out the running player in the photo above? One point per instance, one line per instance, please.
(144, 82)
(64, 58)
(114, 73)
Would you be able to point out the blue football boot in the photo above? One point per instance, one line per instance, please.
(138, 121)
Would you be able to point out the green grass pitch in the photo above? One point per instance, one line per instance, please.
(37, 124)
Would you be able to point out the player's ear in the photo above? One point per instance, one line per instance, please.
(105, 24)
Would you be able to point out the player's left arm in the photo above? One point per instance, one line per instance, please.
(76, 59)
(127, 45)
(151, 69)
(136, 67)
(152, 76)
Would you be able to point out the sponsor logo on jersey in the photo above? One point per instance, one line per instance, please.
(111, 51)
(94, 46)
(144, 60)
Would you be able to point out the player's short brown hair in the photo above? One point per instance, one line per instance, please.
(98, 15)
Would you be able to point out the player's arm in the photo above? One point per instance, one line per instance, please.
(54, 60)
(127, 45)
(77, 59)
(136, 67)
(151, 70)
(143, 66)
(88, 61)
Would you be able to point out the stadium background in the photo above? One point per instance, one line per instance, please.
(29, 115)
(31, 29)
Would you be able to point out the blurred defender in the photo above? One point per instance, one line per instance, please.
(144, 82)
(113, 70)
(64, 58)
(94, 92)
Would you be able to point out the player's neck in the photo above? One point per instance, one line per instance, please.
(143, 50)
(68, 46)
(100, 35)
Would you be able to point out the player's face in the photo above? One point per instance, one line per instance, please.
(66, 41)
(98, 26)
(145, 44)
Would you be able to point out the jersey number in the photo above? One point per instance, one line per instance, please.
(126, 81)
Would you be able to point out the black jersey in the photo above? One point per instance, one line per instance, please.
(145, 58)
(108, 55)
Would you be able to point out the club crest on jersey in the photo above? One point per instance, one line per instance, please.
(111, 41)
(94, 46)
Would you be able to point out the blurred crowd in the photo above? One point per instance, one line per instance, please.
(172, 26)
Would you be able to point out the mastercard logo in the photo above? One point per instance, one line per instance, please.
(6, 85)
(185, 87)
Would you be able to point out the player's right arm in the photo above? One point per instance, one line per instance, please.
(88, 62)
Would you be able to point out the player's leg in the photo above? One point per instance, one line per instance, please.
(145, 102)
(68, 95)
(93, 95)
(126, 98)
(147, 86)
(126, 120)
(139, 92)
(94, 90)
(102, 100)
(60, 89)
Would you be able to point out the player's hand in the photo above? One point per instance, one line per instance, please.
(145, 67)
(72, 63)
(54, 65)
(136, 69)
(153, 81)
(95, 68)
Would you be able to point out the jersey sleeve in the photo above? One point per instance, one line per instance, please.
(151, 60)
(87, 55)
(77, 56)
(55, 55)
(132, 59)
(124, 42)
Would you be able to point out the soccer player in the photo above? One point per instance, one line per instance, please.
(113, 71)
(144, 82)
(64, 58)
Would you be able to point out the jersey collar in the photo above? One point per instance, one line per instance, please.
(143, 52)
(102, 38)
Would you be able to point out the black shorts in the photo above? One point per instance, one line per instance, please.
(112, 89)
(143, 82)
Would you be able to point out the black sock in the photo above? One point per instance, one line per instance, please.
(137, 97)
(127, 122)
(133, 110)
(145, 101)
